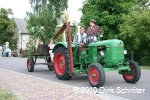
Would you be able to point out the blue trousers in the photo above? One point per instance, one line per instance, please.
(2, 53)
(92, 39)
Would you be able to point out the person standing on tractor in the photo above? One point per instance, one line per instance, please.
(93, 30)
(51, 46)
(79, 39)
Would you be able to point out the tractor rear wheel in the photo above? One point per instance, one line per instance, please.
(134, 75)
(96, 75)
(50, 67)
(61, 63)
(30, 64)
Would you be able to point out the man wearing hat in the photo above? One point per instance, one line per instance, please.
(93, 30)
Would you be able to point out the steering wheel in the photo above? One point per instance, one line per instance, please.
(87, 39)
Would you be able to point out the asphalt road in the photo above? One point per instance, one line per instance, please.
(114, 83)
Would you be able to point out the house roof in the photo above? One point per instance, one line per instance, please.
(21, 25)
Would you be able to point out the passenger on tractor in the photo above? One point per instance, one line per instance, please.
(80, 39)
(51, 46)
(93, 30)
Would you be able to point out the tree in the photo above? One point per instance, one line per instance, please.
(135, 32)
(6, 28)
(45, 13)
(107, 13)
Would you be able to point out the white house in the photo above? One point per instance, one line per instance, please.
(21, 33)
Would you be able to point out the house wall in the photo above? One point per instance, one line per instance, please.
(22, 39)
(16, 36)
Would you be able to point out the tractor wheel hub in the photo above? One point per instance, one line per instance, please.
(94, 75)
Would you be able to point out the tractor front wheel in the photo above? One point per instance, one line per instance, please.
(96, 75)
(61, 63)
(30, 64)
(134, 75)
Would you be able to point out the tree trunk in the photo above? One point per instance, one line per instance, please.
(131, 55)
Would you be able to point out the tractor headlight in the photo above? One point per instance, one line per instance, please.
(125, 52)
(101, 53)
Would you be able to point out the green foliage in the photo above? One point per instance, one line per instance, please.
(7, 95)
(6, 28)
(31, 47)
(45, 13)
(136, 28)
(135, 32)
(145, 60)
(37, 32)
(143, 2)
(107, 13)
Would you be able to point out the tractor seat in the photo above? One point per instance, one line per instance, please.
(84, 48)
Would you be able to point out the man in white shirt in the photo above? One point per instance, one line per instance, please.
(80, 39)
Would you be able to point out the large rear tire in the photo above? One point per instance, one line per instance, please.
(134, 75)
(61, 63)
(30, 64)
(96, 75)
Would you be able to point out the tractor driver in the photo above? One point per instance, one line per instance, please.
(93, 30)
(80, 39)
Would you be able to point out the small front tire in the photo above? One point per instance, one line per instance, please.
(96, 75)
(134, 75)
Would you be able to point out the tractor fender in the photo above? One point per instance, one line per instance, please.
(108, 43)
(61, 44)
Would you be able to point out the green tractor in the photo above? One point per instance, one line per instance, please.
(99, 57)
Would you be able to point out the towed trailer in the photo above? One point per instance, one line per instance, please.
(41, 52)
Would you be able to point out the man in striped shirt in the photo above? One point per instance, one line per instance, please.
(80, 39)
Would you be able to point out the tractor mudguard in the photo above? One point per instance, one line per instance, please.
(107, 43)
(61, 44)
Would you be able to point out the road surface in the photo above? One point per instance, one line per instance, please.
(114, 83)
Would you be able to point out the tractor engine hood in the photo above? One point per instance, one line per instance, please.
(108, 43)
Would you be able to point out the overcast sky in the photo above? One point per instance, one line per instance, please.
(74, 5)
(19, 7)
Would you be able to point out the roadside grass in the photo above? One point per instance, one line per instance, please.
(6, 95)
(145, 67)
